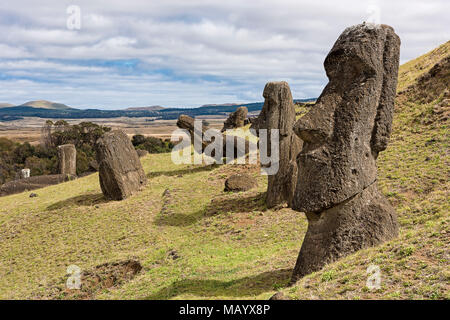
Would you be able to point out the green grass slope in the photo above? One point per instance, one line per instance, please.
(230, 246)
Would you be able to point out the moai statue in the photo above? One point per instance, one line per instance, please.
(120, 170)
(240, 145)
(24, 173)
(278, 112)
(343, 134)
(67, 155)
(235, 119)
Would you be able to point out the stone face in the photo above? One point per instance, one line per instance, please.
(67, 155)
(343, 134)
(120, 171)
(236, 119)
(278, 112)
(240, 182)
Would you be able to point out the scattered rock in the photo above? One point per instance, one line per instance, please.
(173, 254)
(240, 182)
(33, 195)
(67, 155)
(120, 171)
(343, 134)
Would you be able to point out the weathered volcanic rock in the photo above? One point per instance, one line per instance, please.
(67, 155)
(278, 112)
(240, 182)
(239, 147)
(236, 119)
(343, 134)
(120, 170)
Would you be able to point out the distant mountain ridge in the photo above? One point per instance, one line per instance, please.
(150, 108)
(44, 104)
(52, 110)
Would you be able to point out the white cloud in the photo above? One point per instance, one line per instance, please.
(241, 45)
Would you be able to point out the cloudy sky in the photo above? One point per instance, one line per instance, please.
(184, 53)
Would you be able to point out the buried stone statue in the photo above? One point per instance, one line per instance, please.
(343, 134)
(278, 112)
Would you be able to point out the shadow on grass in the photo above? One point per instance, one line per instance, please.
(184, 171)
(82, 200)
(224, 204)
(247, 286)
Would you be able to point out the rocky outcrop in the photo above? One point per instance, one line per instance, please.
(343, 134)
(240, 182)
(236, 119)
(120, 170)
(67, 155)
(278, 112)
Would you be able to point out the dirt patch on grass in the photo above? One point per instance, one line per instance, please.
(105, 276)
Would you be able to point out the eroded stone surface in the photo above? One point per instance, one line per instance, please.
(236, 119)
(240, 145)
(120, 170)
(343, 134)
(278, 112)
(67, 155)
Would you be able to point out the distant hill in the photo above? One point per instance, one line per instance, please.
(51, 110)
(6, 105)
(151, 108)
(44, 104)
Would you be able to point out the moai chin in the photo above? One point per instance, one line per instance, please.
(278, 112)
(67, 155)
(343, 134)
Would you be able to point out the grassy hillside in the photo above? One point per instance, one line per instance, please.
(198, 242)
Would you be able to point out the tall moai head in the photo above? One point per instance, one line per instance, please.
(278, 111)
(351, 121)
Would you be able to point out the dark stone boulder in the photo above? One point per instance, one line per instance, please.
(240, 182)
(343, 134)
(120, 171)
(278, 112)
